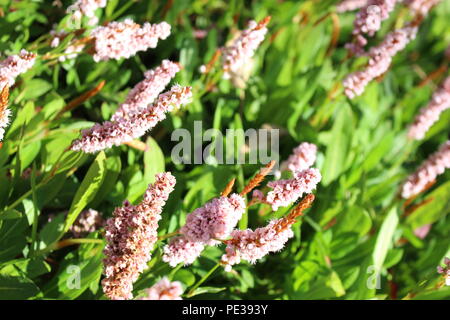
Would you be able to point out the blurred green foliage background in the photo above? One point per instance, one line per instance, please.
(356, 223)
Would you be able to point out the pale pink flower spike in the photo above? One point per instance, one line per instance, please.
(240, 52)
(431, 113)
(124, 39)
(252, 245)
(434, 166)
(303, 157)
(131, 234)
(215, 220)
(103, 136)
(205, 226)
(286, 192)
(147, 90)
(379, 62)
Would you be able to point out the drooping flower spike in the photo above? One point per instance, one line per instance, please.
(380, 58)
(210, 223)
(237, 55)
(431, 113)
(252, 245)
(164, 290)
(131, 234)
(147, 90)
(124, 39)
(427, 173)
(103, 136)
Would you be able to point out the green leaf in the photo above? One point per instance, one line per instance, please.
(113, 169)
(35, 88)
(338, 145)
(29, 153)
(12, 237)
(10, 214)
(31, 267)
(325, 287)
(202, 290)
(153, 160)
(16, 288)
(353, 219)
(385, 238)
(87, 190)
(440, 294)
(184, 276)
(77, 272)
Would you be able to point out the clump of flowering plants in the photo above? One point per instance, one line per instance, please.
(352, 204)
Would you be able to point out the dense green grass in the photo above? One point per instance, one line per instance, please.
(357, 221)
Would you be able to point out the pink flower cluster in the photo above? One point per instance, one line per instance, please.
(215, 220)
(181, 250)
(88, 221)
(350, 5)
(14, 65)
(86, 8)
(123, 39)
(147, 90)
(445, 271)
(421, 7)
(428, 171)
(380, 58)
(102, 136)
(368, 19)
(302, 158)
(252, 245)
(286, 192)
(238, 54)
(431, 113)
(164, 290)
(131, 235)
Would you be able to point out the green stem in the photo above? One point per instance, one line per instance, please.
(67, 242)
(168, 235)
(203, 279)
(124, 8)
